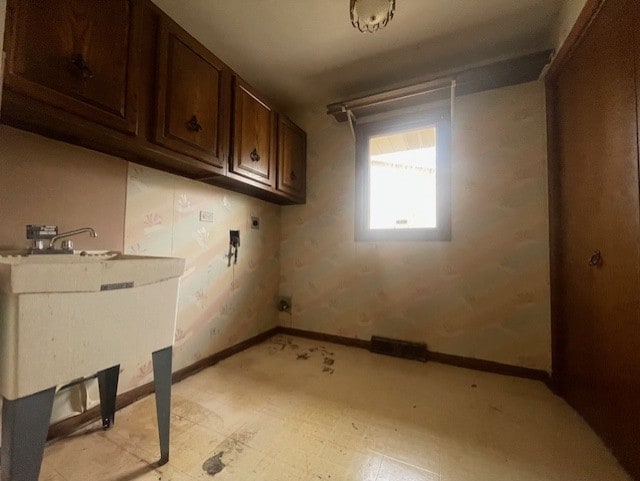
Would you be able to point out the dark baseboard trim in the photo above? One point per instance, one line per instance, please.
(68, 426)
(321, 336)
(451, 359)
(490, 366)
(219, 356)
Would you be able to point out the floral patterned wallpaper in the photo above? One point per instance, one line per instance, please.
(219, 305)
(485, 294)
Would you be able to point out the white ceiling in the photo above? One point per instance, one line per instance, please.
(300, 52)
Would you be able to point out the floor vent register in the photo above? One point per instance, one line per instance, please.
(394, 347)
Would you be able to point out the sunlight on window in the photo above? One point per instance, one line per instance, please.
(402, 169)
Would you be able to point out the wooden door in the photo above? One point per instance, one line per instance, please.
(292, 159)
(637, 50)
(597, 238)
(76, 55)
(254, 153)
(193, 98)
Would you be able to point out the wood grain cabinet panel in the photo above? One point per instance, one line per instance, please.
(121, 77)
(254, 151)
(76, 55)
(636, 29)
(595, 219)
(193, 100)
(292, 159)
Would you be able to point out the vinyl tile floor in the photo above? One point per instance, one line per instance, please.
(293, 409)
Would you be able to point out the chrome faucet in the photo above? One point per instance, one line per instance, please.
(68, 245)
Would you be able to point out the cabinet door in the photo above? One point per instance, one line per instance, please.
(76, 55)
(292, 159)
(193, 98)
(254, 137)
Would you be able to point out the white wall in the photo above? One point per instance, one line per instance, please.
(569, 11)
(485, 294)
(220, 305)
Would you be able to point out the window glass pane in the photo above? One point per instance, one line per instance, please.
(402, 176)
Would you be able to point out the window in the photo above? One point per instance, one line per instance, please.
(403, 178)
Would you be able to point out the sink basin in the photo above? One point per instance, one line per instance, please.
(22, 273)
(64, 317)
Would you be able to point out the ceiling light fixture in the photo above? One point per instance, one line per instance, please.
(371, 15)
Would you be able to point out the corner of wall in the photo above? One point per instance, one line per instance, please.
(483, 295)
(219, 304)
(567, 16)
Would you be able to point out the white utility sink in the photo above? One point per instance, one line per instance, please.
(66, 316)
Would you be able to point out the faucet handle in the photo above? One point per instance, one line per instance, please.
(67, 245)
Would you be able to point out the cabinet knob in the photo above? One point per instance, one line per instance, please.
(596, 259)
(81, 65)
(194, 125)
(293, 176)
(254, 155)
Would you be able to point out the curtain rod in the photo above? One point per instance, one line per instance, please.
(471, 79)
(391, 96)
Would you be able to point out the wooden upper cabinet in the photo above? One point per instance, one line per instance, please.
(254, 147)
(78, 56)
(121, 77)
(193, 98)
(292, 159)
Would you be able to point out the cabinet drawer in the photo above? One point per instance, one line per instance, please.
(76, 55)
(193, 98)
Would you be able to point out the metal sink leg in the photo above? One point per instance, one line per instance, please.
(108, 385)
(25, 422)
(162, 381)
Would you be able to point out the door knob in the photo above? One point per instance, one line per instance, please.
(596, 259)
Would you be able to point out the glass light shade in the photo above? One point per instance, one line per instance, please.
(371, 15)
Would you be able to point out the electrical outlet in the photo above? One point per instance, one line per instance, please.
(285, 304)
(255, 222)
(206, 216)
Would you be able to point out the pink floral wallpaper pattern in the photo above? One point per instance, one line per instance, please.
(219, 305)
(485, 294)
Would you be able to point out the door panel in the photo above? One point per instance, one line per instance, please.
(193, 99)
(597, 134)
(193, 92)
(637, 50)
(292, 158)
(76, 55)
(254, 134)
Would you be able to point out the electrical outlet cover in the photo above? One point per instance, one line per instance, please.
(206, 216)
(285, 304)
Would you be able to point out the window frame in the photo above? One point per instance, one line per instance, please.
(441, 119)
